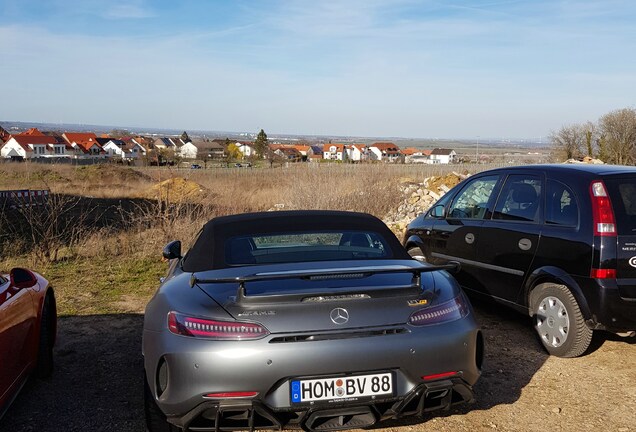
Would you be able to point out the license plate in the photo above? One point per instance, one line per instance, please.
(345, 388)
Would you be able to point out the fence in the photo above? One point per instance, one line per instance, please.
(23, 198)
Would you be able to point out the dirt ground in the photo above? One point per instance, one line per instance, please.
(97, 384)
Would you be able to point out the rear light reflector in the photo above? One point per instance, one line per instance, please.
(439, 376)
(449, 311)
(603, 273)
(602, 212)
(231, 395)
(213, 329)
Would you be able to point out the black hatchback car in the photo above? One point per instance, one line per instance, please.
(555, 241)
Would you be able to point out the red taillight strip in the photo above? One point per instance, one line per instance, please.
(602, 212)
(231, 395)
(439, 376)
(214, 329)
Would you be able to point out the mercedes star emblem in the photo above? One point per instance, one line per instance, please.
(339, 316)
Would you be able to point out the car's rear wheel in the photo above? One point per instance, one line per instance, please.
(155, 419)
(44, 366)
(559, 321)
(416, 253)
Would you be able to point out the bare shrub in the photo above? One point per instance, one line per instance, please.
(43, 229)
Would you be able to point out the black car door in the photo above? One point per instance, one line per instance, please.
(455, 236)
(509, 239)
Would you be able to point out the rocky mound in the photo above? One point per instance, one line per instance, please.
(418, 197)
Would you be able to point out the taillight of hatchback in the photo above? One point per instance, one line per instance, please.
(602, 212)
(604, 223)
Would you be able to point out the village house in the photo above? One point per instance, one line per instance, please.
(443, 156)
(385, 151)
(84, 144)
(334, 152)
(357, 152)
(245, 148)
(20, 147)
(33, 144)
(289, 153)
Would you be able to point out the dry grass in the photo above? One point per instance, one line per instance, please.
(116, 260)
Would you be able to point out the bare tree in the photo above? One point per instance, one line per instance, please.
(618, 133)
(590, 132)
(569, 141)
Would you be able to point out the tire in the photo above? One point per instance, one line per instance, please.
(416, 253)
(44, 366)
(559, 322)
(155, 418)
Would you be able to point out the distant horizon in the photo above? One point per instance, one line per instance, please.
(379, 68)
(271, 135)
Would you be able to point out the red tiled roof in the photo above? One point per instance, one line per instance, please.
(339, 147)
(32, 132)
(410, 151)
(25, 140)
(384, 146)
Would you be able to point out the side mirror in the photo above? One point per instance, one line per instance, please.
(172, 250)
(438, 211)
(22, 278)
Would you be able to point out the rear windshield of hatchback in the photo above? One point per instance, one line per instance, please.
(305, 246)
(623, 195)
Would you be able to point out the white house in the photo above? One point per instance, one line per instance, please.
(28, 147)
(357, 152)
(384, 151)
(135, 149)
(245, 149)
(443, 156)
(115, 148)
(334, 152)
(188, 151)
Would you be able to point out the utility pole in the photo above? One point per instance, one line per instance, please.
(477, 151)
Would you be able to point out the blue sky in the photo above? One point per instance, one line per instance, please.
(428, 69)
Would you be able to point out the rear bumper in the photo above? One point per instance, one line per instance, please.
(194, 368)
(609, 308)
(250, 415)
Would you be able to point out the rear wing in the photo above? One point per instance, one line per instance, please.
(324, 274)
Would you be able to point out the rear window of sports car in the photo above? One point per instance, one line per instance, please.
(305, 246)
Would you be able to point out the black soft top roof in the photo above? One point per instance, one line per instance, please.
(208, 251)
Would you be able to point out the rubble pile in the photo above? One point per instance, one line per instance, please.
(176, 190)
(418, 197)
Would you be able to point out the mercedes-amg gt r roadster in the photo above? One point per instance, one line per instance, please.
(317, 320)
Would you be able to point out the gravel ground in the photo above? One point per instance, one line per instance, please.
(97, 384)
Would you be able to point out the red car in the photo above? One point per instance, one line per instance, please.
(28, 326)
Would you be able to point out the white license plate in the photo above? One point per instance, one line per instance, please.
(346, 387)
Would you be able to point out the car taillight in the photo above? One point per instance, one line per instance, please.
(449, 311)
(603, 273)
(602, 213)
(439, 376)
(213, 329)
(231, 395)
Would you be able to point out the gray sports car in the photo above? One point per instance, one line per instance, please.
(311, 319)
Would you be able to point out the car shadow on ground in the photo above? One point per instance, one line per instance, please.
(513, 355)
(97, 384)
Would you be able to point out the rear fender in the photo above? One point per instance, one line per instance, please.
(556, 275)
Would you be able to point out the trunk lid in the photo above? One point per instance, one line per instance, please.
(334, 301)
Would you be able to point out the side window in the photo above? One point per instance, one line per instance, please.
(520, 199)
(472, 201)
(561, 205)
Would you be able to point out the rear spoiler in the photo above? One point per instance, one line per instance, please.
(336, 273)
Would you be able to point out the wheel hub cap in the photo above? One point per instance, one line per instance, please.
(553, 322)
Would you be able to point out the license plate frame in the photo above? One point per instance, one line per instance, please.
(353, 388)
